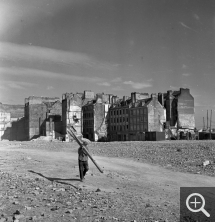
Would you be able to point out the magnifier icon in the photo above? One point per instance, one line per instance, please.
(202, 203)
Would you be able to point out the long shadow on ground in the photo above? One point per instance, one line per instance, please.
(57, 180)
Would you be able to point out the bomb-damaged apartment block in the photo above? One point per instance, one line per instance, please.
(72, 104)
(12, 122)
(99, 117)
(43, 117)
(130, 118)
(86, 112)
(95, 117)
(180, 112)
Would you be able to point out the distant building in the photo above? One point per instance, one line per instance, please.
(72, 109)
(5, 122)
(42, 116)
(179, 108)
(95, 114)
(9, 116)
(99, 116)
(131, 117)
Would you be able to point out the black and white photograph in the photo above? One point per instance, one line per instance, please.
(107, 110)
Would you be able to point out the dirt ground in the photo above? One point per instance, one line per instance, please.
(39, 181)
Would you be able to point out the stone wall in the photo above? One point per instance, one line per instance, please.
(12, 123)
(185, 107)
(18, 130)
(179, 108)
(156, 115)
(38, 110)
(72, 112)
(100, 125)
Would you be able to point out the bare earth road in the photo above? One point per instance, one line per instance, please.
(41, 178)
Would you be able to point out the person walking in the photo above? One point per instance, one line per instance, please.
(83, 160)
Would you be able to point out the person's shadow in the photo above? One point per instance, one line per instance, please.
(57, 180)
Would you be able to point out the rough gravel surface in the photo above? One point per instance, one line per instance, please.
(184, 156)
(27, 195)
(36, 199)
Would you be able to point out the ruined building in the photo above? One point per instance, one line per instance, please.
(12, 122)
(42, 117)
(130, 118)
(98, 116)
(179, 108)
(72, 110)
(95, 117)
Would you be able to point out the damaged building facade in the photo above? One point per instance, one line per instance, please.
(131, 117)
(86, 112)
(12, 122)
(98, 117)
(72, 104)
(95, 117)
(42, 117)
(180, 112)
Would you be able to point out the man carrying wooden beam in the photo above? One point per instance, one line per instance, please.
(83, 160)
(82, 146)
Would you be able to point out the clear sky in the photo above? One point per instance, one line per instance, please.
(50, 47)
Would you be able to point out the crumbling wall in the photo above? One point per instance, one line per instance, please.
(5, 124)
(37, 112)
(58, 127)
(64, 115)
(169, 104)
(100, 127)
(10, 114)
(17, 131)
(54, 111)
(156, 115)
(54, 115)
(185, 108)
(37, 117)
(72, 112)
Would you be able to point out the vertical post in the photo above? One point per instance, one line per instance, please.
(207, 119)
(39, 125)
(210, 124)
(50, 128)
(203, 123)
(177, 128)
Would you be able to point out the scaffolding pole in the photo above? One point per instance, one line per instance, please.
(210, 124)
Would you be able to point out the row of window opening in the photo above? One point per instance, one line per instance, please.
(88, 122)
(88, 115)
(126, 111)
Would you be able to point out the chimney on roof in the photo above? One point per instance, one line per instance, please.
(114, 99)
(161, 98)
(124, 98)
(133, 97)
(169, 92)
(110, 98)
